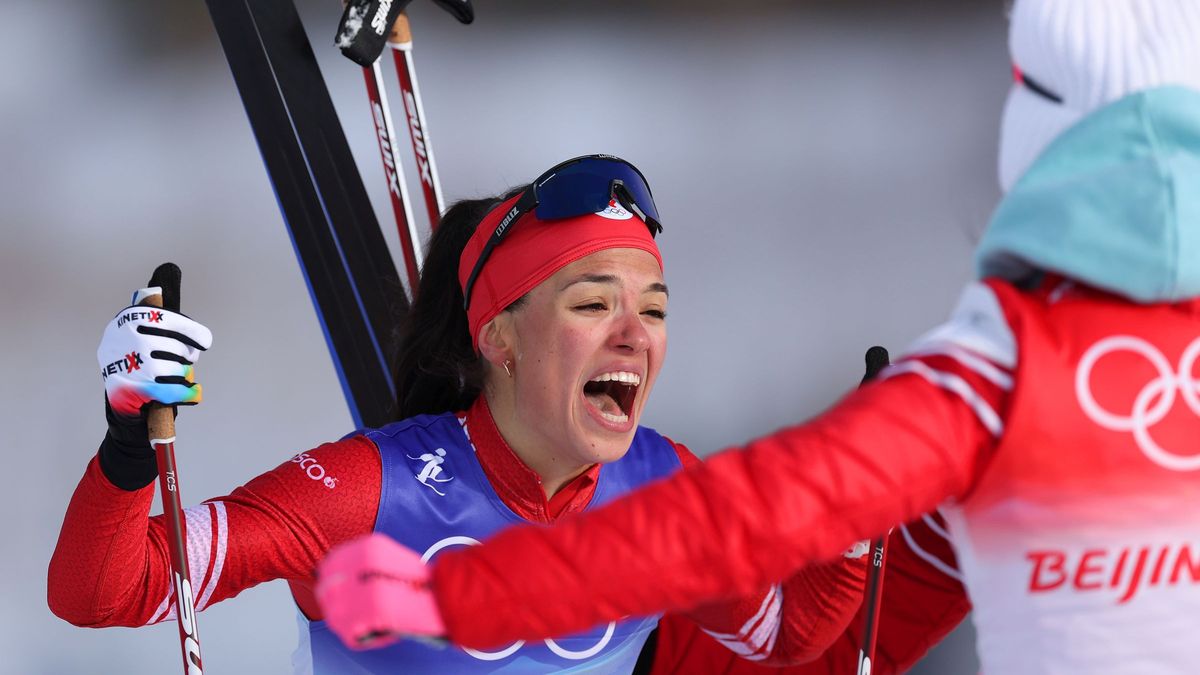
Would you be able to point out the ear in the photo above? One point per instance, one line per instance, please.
(498, 339)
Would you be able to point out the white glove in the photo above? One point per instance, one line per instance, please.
(147, 354)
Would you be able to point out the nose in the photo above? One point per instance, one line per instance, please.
(630, 334)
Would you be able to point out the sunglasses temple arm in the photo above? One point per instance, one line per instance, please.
(621, 194)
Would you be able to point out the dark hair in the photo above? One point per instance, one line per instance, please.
(437, 369)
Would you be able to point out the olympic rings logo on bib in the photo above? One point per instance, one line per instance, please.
(1144, 415)
(508, 651)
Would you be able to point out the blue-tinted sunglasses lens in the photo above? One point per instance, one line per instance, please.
(586, 187)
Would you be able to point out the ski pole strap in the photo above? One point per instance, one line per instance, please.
(366, 25)
(364, 28)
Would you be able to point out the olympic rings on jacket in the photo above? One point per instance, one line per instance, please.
(1143, 414)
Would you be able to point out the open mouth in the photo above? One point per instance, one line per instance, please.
(613, 394)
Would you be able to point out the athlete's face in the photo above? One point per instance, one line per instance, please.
(589, 342)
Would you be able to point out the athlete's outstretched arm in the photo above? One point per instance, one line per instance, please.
(744, 519)
(110, 567)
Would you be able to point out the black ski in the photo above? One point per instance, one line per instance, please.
(342, 253)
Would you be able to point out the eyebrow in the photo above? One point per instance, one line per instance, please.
(656, 287)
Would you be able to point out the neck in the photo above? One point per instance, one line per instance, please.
(532, 448)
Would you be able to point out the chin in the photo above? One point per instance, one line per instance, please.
(606, 450)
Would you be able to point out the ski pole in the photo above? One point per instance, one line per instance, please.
(877, 359)
(362, 31)
(381, 114)
(400, 41)
(161, 421)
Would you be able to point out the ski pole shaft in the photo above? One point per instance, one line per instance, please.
(161, 421)
(418, 130)
(872, 599)
(877, 359)
(410, 240)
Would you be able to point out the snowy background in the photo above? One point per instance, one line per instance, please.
(822, 169)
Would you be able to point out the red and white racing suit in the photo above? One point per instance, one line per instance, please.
(111, 567)
(1055, 427)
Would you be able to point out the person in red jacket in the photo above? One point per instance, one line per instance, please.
(530, 352)
(1053, 418)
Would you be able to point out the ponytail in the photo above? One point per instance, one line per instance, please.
(438, 369)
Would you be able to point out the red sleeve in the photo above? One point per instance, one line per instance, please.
(111, 567)
(885, 454)
(923, 600)
(682, 647)
(791, 622)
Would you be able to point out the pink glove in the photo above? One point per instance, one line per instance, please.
(374, 591)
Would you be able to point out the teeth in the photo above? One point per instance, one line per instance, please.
(619, 376)
(619, 419)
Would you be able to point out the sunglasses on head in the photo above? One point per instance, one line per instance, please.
(576, 187)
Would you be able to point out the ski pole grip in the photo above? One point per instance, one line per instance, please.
(401, 31)
(160, 419)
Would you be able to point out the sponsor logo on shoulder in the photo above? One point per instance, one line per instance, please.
(314, 470)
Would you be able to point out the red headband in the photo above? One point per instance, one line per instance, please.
(534, 250)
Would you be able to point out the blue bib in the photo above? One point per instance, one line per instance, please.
(435, 496)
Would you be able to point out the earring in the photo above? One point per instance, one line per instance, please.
(506, 362)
